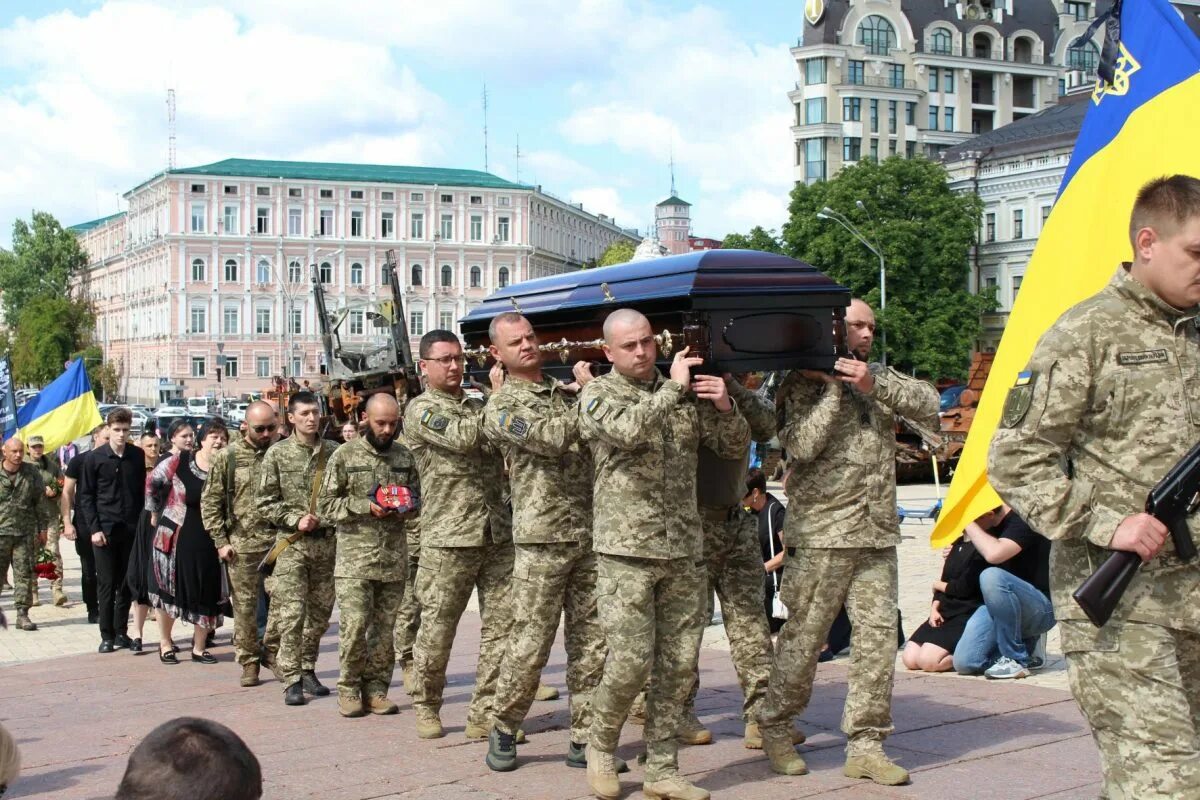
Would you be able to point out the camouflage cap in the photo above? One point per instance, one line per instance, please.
(36, 441)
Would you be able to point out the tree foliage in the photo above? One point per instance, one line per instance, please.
(43, 258)
(618, 252)
(756, 239)
(925, 232)
(50, 332)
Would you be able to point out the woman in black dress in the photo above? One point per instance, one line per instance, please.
(770, 538)
(184, 573)
(955, 597)
(139, 557)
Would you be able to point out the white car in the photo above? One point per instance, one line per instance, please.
(237, 413)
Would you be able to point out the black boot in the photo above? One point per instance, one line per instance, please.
(308, 680)
(294, 696)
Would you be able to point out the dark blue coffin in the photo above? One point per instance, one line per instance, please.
(742, 309)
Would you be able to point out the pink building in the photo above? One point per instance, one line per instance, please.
(673, 224)
(218, 258)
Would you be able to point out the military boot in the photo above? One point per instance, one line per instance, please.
(602, 774)
(876, 766)
(577, 757)
(294, 696)
(308, 680)
(379, 704)
(351, 706)
(410, 681)
(502, 751)
(429, 724)
(60, 597)
(545, 692)
(692, 731)
(475, 731)
(782, 753)
(676, 787)
(24, 623)
(250, 674)
(752, 740)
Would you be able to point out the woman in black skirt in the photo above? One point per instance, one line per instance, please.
(955, 597)
(139, 557)
(184, 575)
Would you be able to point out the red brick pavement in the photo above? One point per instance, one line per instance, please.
(77, 718)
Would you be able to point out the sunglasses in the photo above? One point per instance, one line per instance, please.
(263, 428)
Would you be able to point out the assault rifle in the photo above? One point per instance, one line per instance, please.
(1171, 501)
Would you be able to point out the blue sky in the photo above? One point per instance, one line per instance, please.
(600, 92)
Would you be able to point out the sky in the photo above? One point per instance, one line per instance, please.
(600, 94)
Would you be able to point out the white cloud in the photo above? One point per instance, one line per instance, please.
(605, 200)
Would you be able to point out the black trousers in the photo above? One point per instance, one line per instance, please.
(87, 563)
(112, 562)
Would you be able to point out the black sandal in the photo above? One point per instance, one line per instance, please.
(168, 657)
(204, 658)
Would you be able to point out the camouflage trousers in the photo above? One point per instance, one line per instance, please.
(1139, 687)
(548, 582)
(18, 551)
(445, 578)
(367, 617)
(652, 613)
(735, 572)
(408, 620)
(53, 534)
(816, 583)
(301, 604)
(243, 589)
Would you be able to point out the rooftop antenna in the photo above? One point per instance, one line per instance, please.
(170, 129)
(518, 158)
(485, 135)
(673, 171)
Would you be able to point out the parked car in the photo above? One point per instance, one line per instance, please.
(237, 413)
(950, 396)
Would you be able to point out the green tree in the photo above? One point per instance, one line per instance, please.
(618, 252)
(925, 232)
(50, 332)
(43, 258)
(756, 239)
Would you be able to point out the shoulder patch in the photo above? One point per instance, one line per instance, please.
(517, 426)
(1020, 396)
(596, 409)
(435, 422)
(1143, 357)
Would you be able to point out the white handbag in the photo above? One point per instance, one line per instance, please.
(778, 609)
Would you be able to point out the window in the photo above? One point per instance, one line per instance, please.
(990, 282)
(294, 192)
(814, 160)
(1077, 10)
(933, 79)
(326, 222)
(198, 188)
(874, 149)
(476, 277)
(877, 35)
(356, 323)
(910, 113)
(384, 277)
(262, 191)
(231, 366)
(948, 114)
(326, 272)
(446, 320)
(295, 222)
(229, 320)
(1045, 215)
(262, 223)
(989, 227)
(856, 72)
(231, 219)
(948, 81)
(940, 42)
(503, 277)
(504, 201)
(295, 271)
(502, 228)
(447, 198)
(199, 320)
(874, 116)
(851, 148)
(356, 194)
(1083, 57)
(231, 189)
(416, 323)
(297, 319)
(814, 71)
(262, 273)
(814, 110)
(891, 147)
(417, 197)
(933, 118)
(387, 224)
(198, 269)
(1018, 217)
(262, 320)
(476, 228)
(896, 76)
(262, 366)
(199, 218)
(356, 274)
(387, 195)
(356, 223)
(447, 230)
(892, 108)
(417, 275)
(231, 270)
(447, 275)
(1016, 287)
(418, 225)
(198, 365)
(297, 366)
(851, 109)
(476, 199)
(327, 194)
(910, 149)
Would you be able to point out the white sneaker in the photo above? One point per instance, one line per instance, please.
(1006, 669)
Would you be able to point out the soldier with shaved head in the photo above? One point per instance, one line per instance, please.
(21, 518)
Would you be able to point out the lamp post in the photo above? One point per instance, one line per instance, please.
(829, 213)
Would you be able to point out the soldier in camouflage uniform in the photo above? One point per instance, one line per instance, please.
(1109, 402)
(241, 535)
(534, 421)
(22, 523)
(408, 619)
(302, 600)
(842, 532)
(370, 569)
(466, 536)
(644, 433)
(52, 477)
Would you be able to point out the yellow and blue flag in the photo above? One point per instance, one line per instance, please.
(1142, 124)
(62, 412)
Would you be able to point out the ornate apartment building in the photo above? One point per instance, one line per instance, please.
(216, 260)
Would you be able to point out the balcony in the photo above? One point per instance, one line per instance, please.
(880, 83)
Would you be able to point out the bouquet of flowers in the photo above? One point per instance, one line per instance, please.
(45, 567)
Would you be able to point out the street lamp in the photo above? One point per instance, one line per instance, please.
(829, 213)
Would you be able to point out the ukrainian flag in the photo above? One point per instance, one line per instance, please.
(1143, 124)
(62, 412)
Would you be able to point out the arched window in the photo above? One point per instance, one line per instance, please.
(263, 273)
(295, 271)
(1023, 50)
(877, 35)
(982, 44)
(356, 274)
(447, 275)
(1084, 57)
(503, 277)
(231, 270)
(940, 42)
(476, 277)
(416, 275)
(326, 272)
(198, 269)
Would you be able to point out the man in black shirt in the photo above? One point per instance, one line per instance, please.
(74, 528)
(112, 492)
(1016, 595)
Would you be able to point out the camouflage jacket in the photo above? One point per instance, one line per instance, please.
(368, 548)
(1109, 402)
(842, 445)
(246, 530)
(288, 471)
(52, 476)
(536, 427)
(644, 436)
(461, 471)
(22, 512)
(721, 482)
